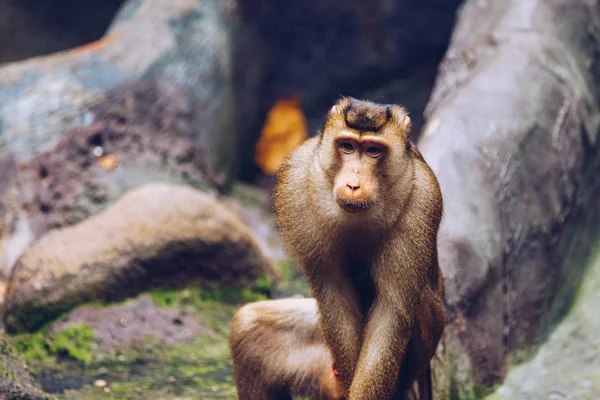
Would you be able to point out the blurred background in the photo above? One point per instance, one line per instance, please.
(138, 145)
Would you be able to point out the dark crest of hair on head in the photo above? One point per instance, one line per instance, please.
(366, 116)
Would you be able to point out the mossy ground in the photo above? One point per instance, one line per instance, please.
(67, 363)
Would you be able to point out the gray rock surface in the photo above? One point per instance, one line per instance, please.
(119, 325)
(158, 235)
(512, 134)
(183, 41)
(567, 365)
(151, 100)
(141, 133)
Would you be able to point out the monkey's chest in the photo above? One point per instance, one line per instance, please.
(360, 276)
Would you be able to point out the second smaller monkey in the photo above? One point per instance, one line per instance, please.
(278, 351)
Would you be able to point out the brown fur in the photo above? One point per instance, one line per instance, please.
(278, 351)
(364, 230)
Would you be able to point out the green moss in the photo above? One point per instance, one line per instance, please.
(75, 341)
(215, 293)
(165, 297)
(293, 281)
(261, 288)
(201, 368)
(31, 346)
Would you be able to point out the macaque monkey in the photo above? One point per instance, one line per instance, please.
(278, 351)
(360, 209)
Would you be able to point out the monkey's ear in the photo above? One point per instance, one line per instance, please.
(340, 106)
(406, 123)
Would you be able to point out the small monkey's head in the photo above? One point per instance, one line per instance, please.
(365, 153)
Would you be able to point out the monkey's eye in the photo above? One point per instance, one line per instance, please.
(347, 147)
(373, 151)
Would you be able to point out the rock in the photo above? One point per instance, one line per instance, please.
(319, 49)
(15, 381)
(141, 133)
(184, 42)
(119, 325)
(158, 235)
(568, 363)
(81, 127)
(254, 206)
(512, 136)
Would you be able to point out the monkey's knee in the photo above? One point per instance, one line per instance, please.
(244, 319)
(243, 351)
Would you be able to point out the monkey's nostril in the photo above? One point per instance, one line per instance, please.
(353, 187)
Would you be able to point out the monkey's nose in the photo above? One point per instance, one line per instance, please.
(353, 187)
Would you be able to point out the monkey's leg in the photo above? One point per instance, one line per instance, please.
(277, 350)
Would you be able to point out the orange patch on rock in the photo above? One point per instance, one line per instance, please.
(284, 130)
(108, 162)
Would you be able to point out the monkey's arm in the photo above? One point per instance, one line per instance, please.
(400, 276)
(385, 341)
(341, 320)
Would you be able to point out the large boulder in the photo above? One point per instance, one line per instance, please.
(151, 100)
(158, 235)
(142, 132)
(512, 134)
(182, 41)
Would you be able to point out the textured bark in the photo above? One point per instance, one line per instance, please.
(511, 133)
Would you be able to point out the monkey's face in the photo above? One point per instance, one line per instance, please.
(364, 152)
(356, 183)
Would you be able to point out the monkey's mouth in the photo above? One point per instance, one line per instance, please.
(354, 206)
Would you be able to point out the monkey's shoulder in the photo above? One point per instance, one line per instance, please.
(305, 151)
(428, 195)
(295, 165)
(414, 152)
(292, 176)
